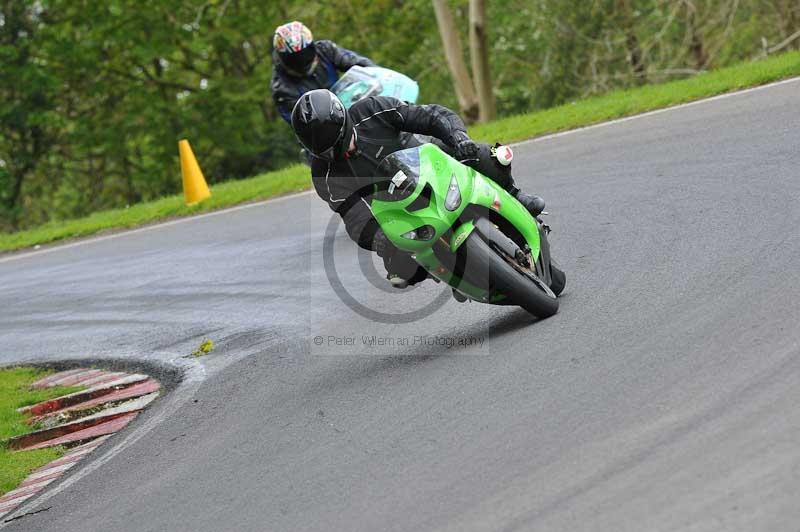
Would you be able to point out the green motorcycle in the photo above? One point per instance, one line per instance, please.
(466, 231)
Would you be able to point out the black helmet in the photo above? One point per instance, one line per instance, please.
(322, 124)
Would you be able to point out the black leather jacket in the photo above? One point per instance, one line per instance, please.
(287, 86)
(380, 123)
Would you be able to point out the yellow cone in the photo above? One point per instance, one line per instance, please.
(195, 188)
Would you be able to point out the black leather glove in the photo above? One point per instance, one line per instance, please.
(466, 148)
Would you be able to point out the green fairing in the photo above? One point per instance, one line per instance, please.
(437, 169)
(460, 235)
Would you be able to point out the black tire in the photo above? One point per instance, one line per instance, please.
(558, 279)
(486, 266)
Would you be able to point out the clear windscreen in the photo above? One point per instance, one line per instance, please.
(355, 85)
(399, 175)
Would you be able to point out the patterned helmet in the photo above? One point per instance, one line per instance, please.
(294, 47)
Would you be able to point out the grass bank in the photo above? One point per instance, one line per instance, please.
(616, 104)
(15, 393)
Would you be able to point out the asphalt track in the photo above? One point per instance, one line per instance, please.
(663, 396)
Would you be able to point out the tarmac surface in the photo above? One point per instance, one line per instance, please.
(662, 396)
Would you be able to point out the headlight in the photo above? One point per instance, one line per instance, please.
(453, 198)
(426, 232)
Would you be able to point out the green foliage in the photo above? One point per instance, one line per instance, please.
(132, 78)
(291, 179)
(621, 103)
(95, 95)
(296, 178)
(15, 393)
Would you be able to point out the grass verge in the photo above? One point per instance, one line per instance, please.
(15, 393)
(292, 179)
(295, 178)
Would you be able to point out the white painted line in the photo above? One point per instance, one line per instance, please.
(13, 500)
(122, 381)
(657, 112)
(132, 404)
(105, 375)
(194, 376)
(45, 382)
(133, 378)
(87, 447)
(27, 490)
(50, 471)
(10, 506)
(40, 485)
(74, 455)
(85, 374)
(92, 240)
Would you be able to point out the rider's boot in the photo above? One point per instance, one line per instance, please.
(396, 281)
(534, 204)
(406, 277)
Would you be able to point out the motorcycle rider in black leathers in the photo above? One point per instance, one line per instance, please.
(348, 146)
(301, 64)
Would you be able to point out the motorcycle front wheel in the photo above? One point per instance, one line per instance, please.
(486, 266)
(559, 279)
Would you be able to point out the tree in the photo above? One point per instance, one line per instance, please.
(634, 49)
(479, 51)
(462, 82)
(476, 99)
(94, 95)
(27, 93)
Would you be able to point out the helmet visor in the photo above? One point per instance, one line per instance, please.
(327, 155)
(300, 62)
(327, 133)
